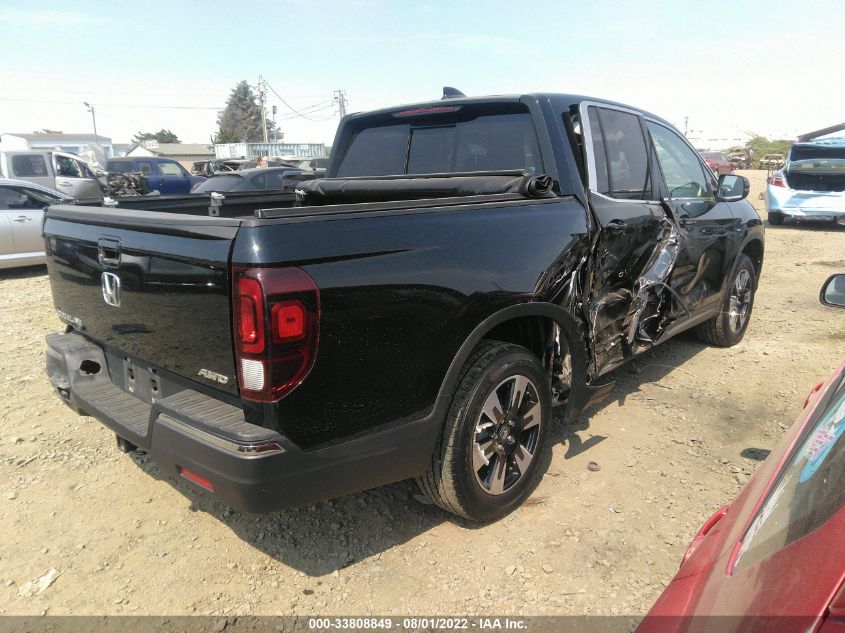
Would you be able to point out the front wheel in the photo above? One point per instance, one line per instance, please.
(498, 424)
(727, 328)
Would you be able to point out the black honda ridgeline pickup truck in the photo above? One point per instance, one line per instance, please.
(465, 266)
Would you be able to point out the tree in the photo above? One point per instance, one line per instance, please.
(162, 136)
(762, 146)
(240, 120)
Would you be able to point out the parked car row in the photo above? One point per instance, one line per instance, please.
(208, 168)
(263, 179)
(73, 177)
(165, 175)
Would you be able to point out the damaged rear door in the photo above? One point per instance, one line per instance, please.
(636, 247)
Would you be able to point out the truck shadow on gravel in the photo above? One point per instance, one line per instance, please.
(327, 536)
(651, 367)
(27, 272)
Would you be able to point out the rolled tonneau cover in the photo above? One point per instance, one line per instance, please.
(339, 190)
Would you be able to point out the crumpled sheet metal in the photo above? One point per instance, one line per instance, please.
(652, 305)
(641, 313)
(131, 184)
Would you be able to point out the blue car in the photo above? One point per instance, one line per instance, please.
(164, 175)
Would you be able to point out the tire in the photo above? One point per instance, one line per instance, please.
(727, 328)
(775, 218)
(467, 476)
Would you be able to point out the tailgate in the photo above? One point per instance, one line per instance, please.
(153, 286)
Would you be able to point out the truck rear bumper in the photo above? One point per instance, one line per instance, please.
(207, 442)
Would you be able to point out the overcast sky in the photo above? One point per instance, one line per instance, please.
(770, 67)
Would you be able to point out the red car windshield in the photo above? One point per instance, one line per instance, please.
(809, 490)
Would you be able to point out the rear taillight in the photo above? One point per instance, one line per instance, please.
(778, 181)
(276, 325)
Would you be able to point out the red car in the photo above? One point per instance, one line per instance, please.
(718, 162)
(774, 559)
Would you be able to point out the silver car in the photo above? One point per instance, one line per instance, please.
(22, 206)
(811, 185)
(61, 171)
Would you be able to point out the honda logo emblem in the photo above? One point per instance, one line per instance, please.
(111, 289)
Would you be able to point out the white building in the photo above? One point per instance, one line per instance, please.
(271, 150)
(48, 139)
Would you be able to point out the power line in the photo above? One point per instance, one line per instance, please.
(287, 105)
(288, 117)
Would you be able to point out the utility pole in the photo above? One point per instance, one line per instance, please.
(93, 118)
(275, 129)
(340, 99)
(263, 112)
(686, 125)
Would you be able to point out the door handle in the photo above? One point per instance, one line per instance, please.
(63, 183)
(22, 218)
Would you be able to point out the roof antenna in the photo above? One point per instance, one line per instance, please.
(451, 93)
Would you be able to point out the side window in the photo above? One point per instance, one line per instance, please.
(274, 180)
(259, 181)
(82, 169)
(29, 165)
(625, 154)
(597, 140)
(13, 198)
(9, 198)
(145, 167)
(682, 171)
(38, 199)
(119, 167)
(67, 167)
(169, 169)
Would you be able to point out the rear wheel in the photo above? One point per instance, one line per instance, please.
(728, 327)
(498, 424)
(775, 218)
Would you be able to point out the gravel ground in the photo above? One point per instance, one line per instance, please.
(685, 427)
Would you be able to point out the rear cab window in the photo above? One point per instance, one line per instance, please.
(808, 490)
(450, 139)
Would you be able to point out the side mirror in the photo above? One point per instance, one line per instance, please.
(833, 291)
(733, 188)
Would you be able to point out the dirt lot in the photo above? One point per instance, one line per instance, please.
(670, 444)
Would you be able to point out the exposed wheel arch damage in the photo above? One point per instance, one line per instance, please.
(546, 329)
